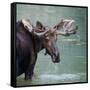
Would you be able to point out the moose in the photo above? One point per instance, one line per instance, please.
(32, 39)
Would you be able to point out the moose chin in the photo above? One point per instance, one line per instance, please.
(32, 39)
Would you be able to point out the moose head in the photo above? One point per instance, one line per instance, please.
(48, 35)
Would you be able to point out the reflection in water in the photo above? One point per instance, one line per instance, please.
(76, 40)
(62, 77)
(52, 79)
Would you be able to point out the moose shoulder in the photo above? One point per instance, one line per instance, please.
(31, 39)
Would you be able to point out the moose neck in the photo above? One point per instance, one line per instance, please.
(38, 45)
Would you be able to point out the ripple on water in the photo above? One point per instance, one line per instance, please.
(62, 77)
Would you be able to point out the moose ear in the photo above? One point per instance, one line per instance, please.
(39, 25)
(59, 25)
(27, 24)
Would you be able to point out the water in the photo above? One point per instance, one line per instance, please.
(72, 67)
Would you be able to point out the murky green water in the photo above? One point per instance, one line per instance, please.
(72, 67)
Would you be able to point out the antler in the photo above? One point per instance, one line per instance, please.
(67, 33)
(39, 32)
(68, 27)
(28, 26)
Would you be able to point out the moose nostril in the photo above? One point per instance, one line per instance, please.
(55, 54)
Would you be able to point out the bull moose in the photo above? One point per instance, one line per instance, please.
(32, 39)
